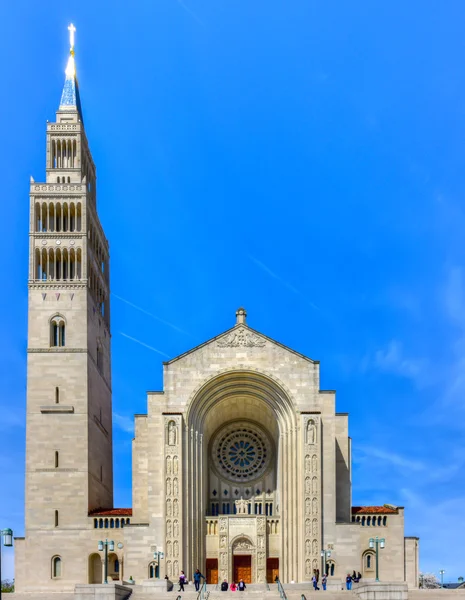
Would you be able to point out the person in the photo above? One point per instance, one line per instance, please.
(349, 581)
(354, 576)
(197, 577)
(359, 575)
(324, 580)
(182, 581)
(169, 584)
(315, 582)
(232, 587)
(241, 587)
(224, 586)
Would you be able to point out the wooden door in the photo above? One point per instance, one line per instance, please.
(272, 569)
(243, 568)
(212, 570)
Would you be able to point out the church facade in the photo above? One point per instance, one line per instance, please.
(241, 465)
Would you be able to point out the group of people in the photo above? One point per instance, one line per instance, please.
(354, 578)
(234, 586)
(198, 576)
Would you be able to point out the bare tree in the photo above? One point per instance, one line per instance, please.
(429, 581)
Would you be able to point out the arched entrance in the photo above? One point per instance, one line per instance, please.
(95, 568)
(241, 454)
(243, 557)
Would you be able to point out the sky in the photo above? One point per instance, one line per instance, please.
(303, 159)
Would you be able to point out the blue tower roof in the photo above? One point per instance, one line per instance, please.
(70, 97)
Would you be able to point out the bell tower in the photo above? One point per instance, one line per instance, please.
(69, 467)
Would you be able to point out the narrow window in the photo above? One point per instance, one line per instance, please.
(117, 523)
(368, 561)
(106, 523)
(101, 473)
(368, 521)
(385, 521)
(100, 523)
(57, 460)
(56, 518)
(95, 523)
(56, 567)
(57, 395)
(112, 523)
(116, 569)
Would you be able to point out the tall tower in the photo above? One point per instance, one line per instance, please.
(69, 414)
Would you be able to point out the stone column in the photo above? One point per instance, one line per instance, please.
(312, 495)
(173, 496)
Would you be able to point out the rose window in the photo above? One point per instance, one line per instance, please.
(241, 452)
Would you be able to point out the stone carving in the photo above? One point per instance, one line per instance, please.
(224, 559)
(175, 508)
(168, 508)
(315, 564)
(314, 463)
(223, 525)
(175, 465)
(307, 464)
(168, 465)
(169, 566)
(261, 542)
(176, 528)
(314, 485)
(243, 545)
(315, 506)
(168, 487)
(223, 541)
(261, 525)
(176, 549)
(315, 527)
(168, 529)
(308, 549)
(241, 506)
(172, 433)
(176, 568)
(168, 548)
(175, 486)
(311, 432)
(307, 485)
(308, 567)
(308, 506)
(315, 547)
(261, 576)
(241, 337)
(308, 528)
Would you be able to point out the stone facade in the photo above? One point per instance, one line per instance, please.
(241, 466)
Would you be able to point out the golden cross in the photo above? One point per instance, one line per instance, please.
(71, 29)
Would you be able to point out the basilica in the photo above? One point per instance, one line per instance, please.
(241, 464)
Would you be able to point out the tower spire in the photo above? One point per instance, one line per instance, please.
(70, 98)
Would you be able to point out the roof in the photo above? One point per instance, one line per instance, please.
(254, 337)
(375, 510)
(70, 97)
(111, 512)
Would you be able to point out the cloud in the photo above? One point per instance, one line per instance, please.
(393, 360)
(124, 423)
(146, 312)
(283, 282)
(389, 457)
(143, 344)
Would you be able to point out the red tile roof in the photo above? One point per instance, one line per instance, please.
(374, 510)
(111, 512)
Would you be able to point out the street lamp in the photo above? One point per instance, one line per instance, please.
(441, 572)
(325, 554)
(377, 543)
(106, 545)
(6, 536)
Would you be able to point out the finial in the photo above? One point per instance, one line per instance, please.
(71, 30)
(241, 316)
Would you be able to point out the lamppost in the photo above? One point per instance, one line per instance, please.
(441, 572)
(157, 557)
(106, 545)
(375, 543)
(325, 554)
(6, 536)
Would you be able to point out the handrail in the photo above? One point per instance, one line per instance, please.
(203, 589)
(302, 597)
(281, 591)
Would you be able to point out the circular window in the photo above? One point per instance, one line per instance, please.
(241, 452)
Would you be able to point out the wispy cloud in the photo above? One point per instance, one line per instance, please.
(124, 423)
(191, 12)
(146, 312)
(282, 281)
(392, 359)
(391, 458)
(143, 344)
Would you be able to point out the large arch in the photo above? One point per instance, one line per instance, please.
(258, 398)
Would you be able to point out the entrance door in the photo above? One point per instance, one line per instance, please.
(243, 568)
(272, 569)
(212, 570)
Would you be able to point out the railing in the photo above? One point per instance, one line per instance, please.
(202, 591)
(282, 593)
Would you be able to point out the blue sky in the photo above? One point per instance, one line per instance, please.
(303, 159)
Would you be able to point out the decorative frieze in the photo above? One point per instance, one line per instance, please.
(241, 337)
(172, 461)
(312, 494)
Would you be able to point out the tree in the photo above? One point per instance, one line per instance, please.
(8, 586)
(429, 581)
